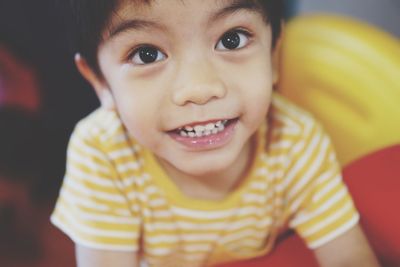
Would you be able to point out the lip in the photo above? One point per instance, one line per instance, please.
(207, 142)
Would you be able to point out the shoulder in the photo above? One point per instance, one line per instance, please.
(100, 141)
(295, 136)
(101, 128)
(289, 121)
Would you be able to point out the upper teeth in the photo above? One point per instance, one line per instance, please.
(203, 130)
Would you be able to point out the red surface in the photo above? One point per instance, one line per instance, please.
(374, 182)
(18, 83)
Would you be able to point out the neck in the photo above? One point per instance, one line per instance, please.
(214, 185)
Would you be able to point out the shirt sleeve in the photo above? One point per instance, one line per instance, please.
(94, 207)
(319, 201)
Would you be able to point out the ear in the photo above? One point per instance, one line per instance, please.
(100, 87)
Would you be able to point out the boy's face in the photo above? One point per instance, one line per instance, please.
(173, 66)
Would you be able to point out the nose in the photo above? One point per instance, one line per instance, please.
(198, 83)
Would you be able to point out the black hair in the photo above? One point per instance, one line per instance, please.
(90, 18)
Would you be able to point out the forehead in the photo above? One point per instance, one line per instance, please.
(142, 13)
(148, 3)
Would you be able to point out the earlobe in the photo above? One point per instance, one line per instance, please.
(102, 91)
(106, 99)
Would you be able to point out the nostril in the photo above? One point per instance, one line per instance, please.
(198, 94)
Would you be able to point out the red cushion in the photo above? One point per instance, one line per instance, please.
(374, 182)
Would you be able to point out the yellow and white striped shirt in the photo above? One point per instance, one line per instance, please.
(115, 196)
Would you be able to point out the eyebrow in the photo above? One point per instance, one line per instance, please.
(139, 24)
(132, 24)
(235, 6)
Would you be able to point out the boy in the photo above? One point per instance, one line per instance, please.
(192, 160)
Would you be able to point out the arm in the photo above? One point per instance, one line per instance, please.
(87, 257)
(348, 250)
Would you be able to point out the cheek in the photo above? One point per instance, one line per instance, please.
(140, 103)
(256, 89)
(132, 117)
(257, 106)
(143, 126)
(137, 114)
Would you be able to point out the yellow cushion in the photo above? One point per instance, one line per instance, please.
(347, 73)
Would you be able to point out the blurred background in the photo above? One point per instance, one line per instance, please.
(381, 13)
(42, 97)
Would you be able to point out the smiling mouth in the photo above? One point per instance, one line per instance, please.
(206, 129)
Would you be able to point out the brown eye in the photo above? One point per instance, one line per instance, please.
(147, 55)
(233, 40)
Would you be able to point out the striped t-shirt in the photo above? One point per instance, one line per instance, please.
(115, 196)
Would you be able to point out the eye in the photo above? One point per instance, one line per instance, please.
(146, 55)
(234, 39)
